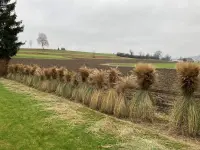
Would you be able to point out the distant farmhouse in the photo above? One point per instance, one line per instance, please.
(183, 60)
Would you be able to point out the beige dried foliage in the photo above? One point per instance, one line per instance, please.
(88, 95)
(125, 83)
(67, 76)
(96, 100)
(121, 110)
(60, 73)
(113, 75)
(145, 74)
(185, 117)
(84, 72)
(109, 101)
(188, 76)
(74, 78)
(98, 78)
(47, 73)
(53, 72)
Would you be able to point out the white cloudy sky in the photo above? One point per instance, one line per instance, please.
(172, 26)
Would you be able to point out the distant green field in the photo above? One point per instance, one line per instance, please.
(41, 56)
(58, 54)
(157, 65)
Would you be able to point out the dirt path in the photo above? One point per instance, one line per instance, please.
(131, 136)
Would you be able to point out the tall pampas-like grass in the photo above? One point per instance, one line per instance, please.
(30, 77)
(142, 107)
(54, 81)
(186, 114)
(25, 74)
(68, 86)
(121, 109)
(97, 78)
(83, 88)
(36, 77)
(75, 84)
(111, 95)
(61, 73)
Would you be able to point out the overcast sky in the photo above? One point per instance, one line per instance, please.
(172, 26)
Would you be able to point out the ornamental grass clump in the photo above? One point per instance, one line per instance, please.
(83, 87)
(54, 81)
(75, 84)
(111, 95)
(30, 78)
(142, 107)
(98, 80)
(45, 84)
(185, 116)
(121, 109)
(36, 77)
(40, 83)
(68, 86)
(25, 74)
(61, 73)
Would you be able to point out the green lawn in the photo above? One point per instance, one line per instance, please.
(55, 54)
(157, 65)
(40, 56)
(24, 125)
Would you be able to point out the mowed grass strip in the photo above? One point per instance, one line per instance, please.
(157, 65)
(25, 125)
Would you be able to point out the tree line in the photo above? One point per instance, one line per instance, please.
(158, 55)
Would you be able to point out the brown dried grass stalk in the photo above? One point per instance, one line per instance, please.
(88, 95)
(98, 78)
(96, 99)
(142, 107)
(145, 74)
(109, 101)
(188, 77)
(113, 75)
(121, 109)
(185, 117)
(68, 86)
(84, 72)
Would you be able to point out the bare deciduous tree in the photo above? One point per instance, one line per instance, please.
(42, 40)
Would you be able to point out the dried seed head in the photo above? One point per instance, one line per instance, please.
(47, 73)
(114, 75)
(53, 72)
(145, 74)
(67, 76)
(84, 72)
(125, 83)
(60, 73)
(188, 76)
(98, 78)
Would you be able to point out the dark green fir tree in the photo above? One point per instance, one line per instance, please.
(9, 30)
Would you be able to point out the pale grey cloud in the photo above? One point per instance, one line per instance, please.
(172, 26)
